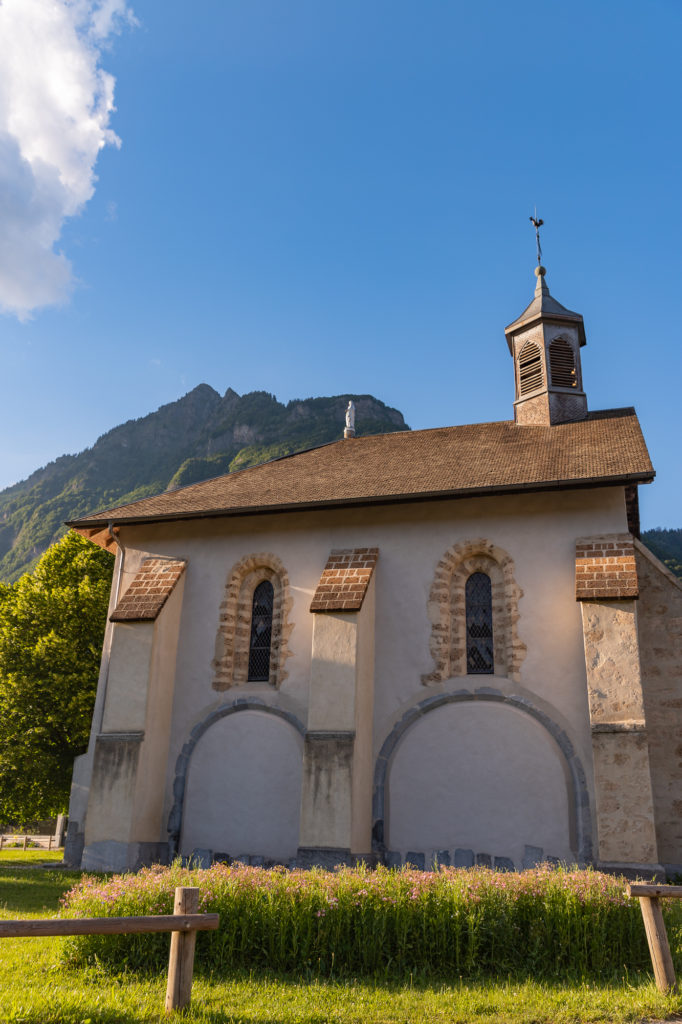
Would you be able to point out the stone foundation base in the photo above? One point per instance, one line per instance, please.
(331, 857)
(111, 855)
(645, 872)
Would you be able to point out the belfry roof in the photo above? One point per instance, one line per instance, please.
(544, 307)
(448, 462)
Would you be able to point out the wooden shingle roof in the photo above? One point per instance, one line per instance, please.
(464, 461)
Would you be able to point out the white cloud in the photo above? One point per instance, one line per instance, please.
(55, 106)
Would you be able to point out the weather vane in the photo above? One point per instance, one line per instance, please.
(536, 222)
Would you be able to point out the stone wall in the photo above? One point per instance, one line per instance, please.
(659, 616)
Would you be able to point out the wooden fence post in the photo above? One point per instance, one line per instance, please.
(659, 947)
(2, 841)
(181, 961)
(25, 841)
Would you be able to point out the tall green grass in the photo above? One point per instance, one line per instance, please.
(477, 923)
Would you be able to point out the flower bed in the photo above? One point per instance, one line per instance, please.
(475, 922)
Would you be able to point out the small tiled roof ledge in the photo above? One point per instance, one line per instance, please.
(605, 568)
(153, 584)
(345, 580)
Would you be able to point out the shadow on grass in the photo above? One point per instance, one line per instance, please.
(30, 890)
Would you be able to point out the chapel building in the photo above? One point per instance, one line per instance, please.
(438, 646)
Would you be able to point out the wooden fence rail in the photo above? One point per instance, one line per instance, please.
(650, 901)
(45, 842)
(183, 923)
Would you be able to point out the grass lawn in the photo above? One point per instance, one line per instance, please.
(36, 988)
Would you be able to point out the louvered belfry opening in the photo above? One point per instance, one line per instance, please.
(562, 364)
(261, 633)
(530, 368)
(479, 624)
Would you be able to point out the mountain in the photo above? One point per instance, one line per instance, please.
(199, 436)
(666, 545)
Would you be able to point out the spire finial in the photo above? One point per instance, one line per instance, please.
(537, 224)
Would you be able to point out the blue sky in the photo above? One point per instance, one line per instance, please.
(322, 196)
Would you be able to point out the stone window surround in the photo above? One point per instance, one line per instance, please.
(231, 662)
(447, 611)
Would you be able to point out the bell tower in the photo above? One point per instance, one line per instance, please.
(545, 343)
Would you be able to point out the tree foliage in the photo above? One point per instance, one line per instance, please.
(666, 545)
(51, 631)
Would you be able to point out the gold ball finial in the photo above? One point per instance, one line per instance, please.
(540, 271)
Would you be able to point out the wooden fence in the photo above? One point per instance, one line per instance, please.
(45, 842)
(183, 923)
(650, 901)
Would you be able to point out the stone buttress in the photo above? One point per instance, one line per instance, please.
(123, 822)
(607, 589)
(336, 802)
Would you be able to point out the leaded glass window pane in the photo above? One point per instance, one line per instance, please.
(479, 625)
(261, 632)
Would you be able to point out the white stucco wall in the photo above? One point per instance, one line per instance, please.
(483, 777)
(243, 791)
(538, 531)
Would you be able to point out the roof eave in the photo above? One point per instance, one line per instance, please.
(574, 320)
(620, 479)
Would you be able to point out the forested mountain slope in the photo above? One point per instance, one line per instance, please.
(199, 436)
(666, 545)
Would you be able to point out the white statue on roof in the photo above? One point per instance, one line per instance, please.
(350, 416)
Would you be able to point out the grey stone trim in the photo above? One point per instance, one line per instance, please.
(323, 857)
(671, 870)
(201, 858)
(329, 857)
(579, 790)
(633, 872)
(532, 856)
(600, 727)
(463, 859)
(117, 737)
(73, 845)
(182, 763)
(433, 860)
(323, 734)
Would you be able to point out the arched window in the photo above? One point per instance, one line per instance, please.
(474, 612)
(261, 632)
(479, 624)
(530, 368)
(252, 642)
(562, 364)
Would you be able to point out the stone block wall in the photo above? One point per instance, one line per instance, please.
(660, 639)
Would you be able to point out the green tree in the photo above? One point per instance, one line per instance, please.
(52, 624)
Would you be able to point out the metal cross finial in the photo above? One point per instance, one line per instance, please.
(537, 224)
